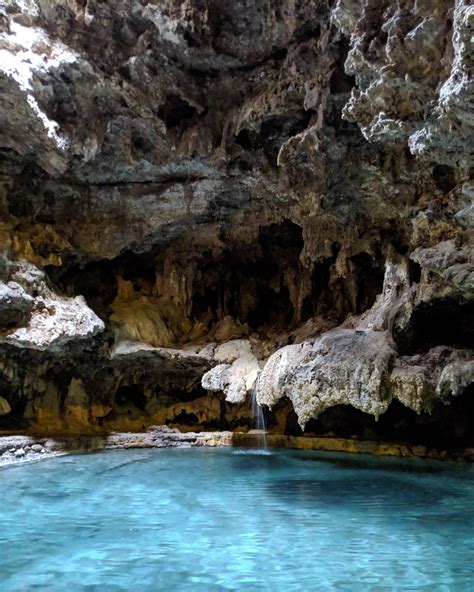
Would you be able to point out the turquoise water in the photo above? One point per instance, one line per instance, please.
(219, 520)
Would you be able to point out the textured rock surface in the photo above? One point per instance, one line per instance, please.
(14, 449)
(203, 199)
(237, 373)
(53, 319)
(358, 365)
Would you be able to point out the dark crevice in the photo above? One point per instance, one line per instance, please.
(184, 418)
(96, 281)
(444, 177)
(175, 111)
(274, 307)
(249, 284)
(131, 395)
(341, 82)
(337, 297)
(245, 139)
(414, 272)
(273, 133)
(446, 427)
(321, 292)
(370, 276)
(440, 322)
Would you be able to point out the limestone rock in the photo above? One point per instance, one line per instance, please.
(57, 321)
(52, 319)
(15, 305)
(341, 367)
(455, 378)
(237, 377)
(233, 196)
(454, 263)
(447, 136)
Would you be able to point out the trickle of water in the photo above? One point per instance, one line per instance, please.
(259, 420)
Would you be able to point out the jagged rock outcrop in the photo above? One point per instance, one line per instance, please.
(202, 199)
(358, 365)
(237, 372)
(48, 320)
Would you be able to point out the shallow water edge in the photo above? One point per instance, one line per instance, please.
(16, 449)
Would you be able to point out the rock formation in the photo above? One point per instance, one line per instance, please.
(203, 199)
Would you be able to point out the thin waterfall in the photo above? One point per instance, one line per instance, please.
(260, 421)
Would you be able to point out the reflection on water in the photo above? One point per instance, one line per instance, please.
(236, 520)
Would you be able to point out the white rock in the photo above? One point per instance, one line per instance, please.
(237, 377)
(341, 367)
(57, 321)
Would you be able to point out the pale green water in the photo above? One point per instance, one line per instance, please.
(216, 520)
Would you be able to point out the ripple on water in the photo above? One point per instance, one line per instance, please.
(240, 520)
(252, 452)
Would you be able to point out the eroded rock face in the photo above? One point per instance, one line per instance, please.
(48, 320)
(204, 199)
(358, 364)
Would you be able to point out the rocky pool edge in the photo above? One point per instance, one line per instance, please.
(20, 449)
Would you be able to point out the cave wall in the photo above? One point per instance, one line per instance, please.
(201, 200)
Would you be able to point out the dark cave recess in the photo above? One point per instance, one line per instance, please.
(251, 283)
(439, 322)
(449, 426)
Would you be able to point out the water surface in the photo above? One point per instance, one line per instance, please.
(220, 520)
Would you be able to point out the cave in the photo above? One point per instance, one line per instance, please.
(249, 284)
(448, 426)
(335, 297)
(220, 222)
